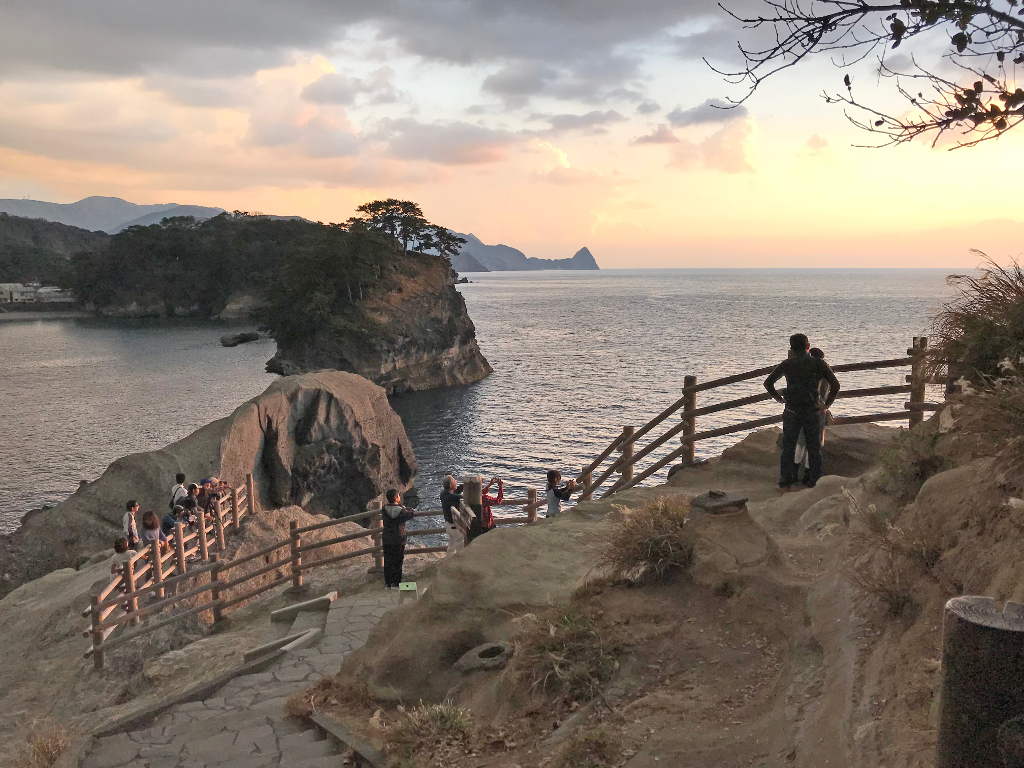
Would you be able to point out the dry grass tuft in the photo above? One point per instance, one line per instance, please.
(566, 657)
(328, 694)
(908, 461)
(982, 325)
(596, 748)
(649, 543)
(429, 729)
(885, 572)
(43, 747)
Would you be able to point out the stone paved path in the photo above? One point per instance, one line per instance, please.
(243, 725)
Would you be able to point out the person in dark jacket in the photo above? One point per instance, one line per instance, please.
(451, 496)
(803, 408)
(394, 518)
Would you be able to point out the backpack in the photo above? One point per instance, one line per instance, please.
(174, 495)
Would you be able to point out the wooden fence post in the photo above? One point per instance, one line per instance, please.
(158, 568)
(219, 524)
(982, 664)
(179, 546)
(689, 420)
(296, 540)
(917, 379)
(588, 480)
(250, 493)
(235, 517)
(129, 576)
(97, 635)
(204, 545)
(626, 471)
(215, 588)
(532, 506)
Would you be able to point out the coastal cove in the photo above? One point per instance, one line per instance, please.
(576, 356)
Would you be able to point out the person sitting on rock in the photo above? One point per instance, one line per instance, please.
(555, 494)
(484, 522)
(129, 526)
(151, 531)
(394, 517)
(451, 498)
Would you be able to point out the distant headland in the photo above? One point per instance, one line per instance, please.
(476, 256)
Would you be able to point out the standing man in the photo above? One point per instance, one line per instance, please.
(129, 525)
(394, 517)
(451, 496)
(178, 491)
(803, 408)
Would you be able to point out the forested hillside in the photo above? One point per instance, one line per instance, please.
(33, 250)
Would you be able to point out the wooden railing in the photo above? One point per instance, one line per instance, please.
(628, 443)
(145, 575)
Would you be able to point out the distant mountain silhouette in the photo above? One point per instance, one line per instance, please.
(196, 211)
(504, 258)
(464, 262)
(106, 214)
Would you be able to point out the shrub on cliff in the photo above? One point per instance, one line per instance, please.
(648, 543)
(982, 325)
(908, 461)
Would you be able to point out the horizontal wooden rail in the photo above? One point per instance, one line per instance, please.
(515, 520)
(339, 521)
(425, 550)
(425, 532)
(149, 586)
(607, 452)
(339, 558)
(153, 626)
(742, 427)
(897, 416)
(228, 564)
(254, 592)
(898, 362)
(338, 539)
(158, 606)
(224, 585)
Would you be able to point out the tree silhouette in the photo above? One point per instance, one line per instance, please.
(404, 221)
(986, 44)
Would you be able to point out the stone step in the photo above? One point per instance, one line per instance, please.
(308, 620)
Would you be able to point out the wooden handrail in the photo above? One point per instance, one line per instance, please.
(228, 564)
(339, 520)
(338, 558)
(693, 438)
(148, 587)
(607, 452)
(258, 572)
(153, 626)
(338, 540)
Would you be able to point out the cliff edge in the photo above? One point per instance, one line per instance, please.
(328, 441)
(416, 335)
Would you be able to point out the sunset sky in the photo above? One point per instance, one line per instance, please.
(540, 124)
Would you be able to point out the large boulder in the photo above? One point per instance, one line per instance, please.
(328, 441)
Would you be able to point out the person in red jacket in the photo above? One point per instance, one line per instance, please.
(485, 520)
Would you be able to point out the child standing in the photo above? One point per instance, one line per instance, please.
(394, 517)
(556, 495)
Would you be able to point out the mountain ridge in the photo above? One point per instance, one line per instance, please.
(505, 258)
(102, 214)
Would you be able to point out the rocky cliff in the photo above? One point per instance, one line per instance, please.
(328, 441)
(417, 335)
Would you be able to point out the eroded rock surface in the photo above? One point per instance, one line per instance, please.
(328, 441)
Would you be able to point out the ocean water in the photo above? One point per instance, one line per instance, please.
(576, 356)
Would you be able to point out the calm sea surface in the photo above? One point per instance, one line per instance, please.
(576, 356)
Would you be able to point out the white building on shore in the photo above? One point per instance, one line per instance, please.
(32, 293)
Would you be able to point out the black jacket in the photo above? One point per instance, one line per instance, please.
(450, 499)
(803, 373)
(394, 518)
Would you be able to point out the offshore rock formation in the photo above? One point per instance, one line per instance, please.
(419, 336)
(328, 441)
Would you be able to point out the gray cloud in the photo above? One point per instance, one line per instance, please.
(591, 122)
(516, 82)
(711, 111)
(660, 135)
(196, 38)
(647, 107)
(336, 88)
(447, 143)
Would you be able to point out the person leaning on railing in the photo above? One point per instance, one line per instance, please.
(484, 522)
(451, 498)
(803, 408)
